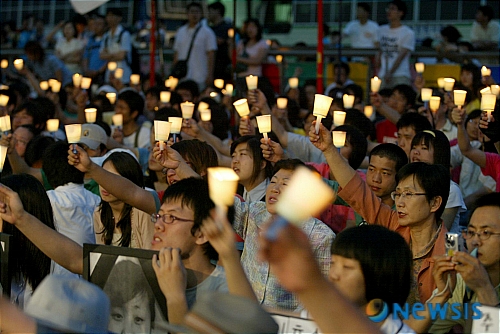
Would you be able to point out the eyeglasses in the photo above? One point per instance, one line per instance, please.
(405, 194)
(482, 235)
(168, 219)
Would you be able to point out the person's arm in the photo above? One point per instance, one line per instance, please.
(50, 36)
(392, 115)
(448, 216)
(124, 189)
(58, 247)
(171, 159)
(211, 67)
(171, 275)
(14, 320)
(255, 60)
(401, 55)
(291, 250)
(220, 234)
(18, 164)
(191, 128)
(476, 155)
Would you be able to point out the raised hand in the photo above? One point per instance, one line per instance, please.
(170, 272)
(246, 127)
(80, 160)
(271, 150)
(458, 116)
(168, 158)
(323, 140)
(11, 207)
(221, 235)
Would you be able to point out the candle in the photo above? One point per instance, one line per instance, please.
(77, 79)
(86, 82)
(187, 109)
(118, 120)
(4, 99)
(485, 90)
(219, 83)
(19, 64)
(165, 96)
(306, 195)
(448, 84)
(230, 33)
(55, 86)
(338, 138)
(73, 133)
(206, 115)
(348, 101)
(44, 85)
(282, 102)
(229, 89)
(488, 103)
(4, 87)
(112, 66)
(135, 79)
(426, 94)
(495, 90)
(368, 111)
(293, 83)
(459, 97)
(111, 97)
(118, 73)
(4, 63)
(264, 124)
(241, 107)
(434, 103)
(5, 123)
(279, 58)
(176, 126)
(162, 131)
(90, 115)
(419, 67)
(485, 72)
(322, 105)
(339, 118)
(440, 82)
(52, 125)
(222, 185)
(203, 106)
(171, 82)
(3, 155)
(252, 82)
(375, 84)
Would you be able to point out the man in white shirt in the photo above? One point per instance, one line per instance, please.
(362, 31)
(200, 67)
(485, 32)
(396, 41)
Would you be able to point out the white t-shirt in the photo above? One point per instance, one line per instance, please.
(490, 34)
(253, 51)
(392, 42)
(144, 133)
(215, 282)
(362, 36)
(115, 43)
(455, 200)
(205, 41)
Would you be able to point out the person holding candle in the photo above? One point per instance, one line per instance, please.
(439, 118)
(420, 196)
(396, 42)
(489, 162)
(251, 167)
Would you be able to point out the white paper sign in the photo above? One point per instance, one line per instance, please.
(289, 324)
(85, 6)
(489, 322)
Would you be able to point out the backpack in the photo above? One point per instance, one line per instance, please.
(135, 64)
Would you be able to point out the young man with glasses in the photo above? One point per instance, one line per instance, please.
(421, 194)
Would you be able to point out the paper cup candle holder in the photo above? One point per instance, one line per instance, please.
(162, 132)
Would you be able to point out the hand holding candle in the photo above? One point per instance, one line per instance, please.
(242, 107)
(73, 133)
(459, 97)
(375, 84)
(264, 124)
(252, 82)
(321, 108)
(162, 131)
(222, 184)
(176, 126)
(488, 102)
(187, 109)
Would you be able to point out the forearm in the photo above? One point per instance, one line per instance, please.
(214, 141)
(55, 245)
(279, 131)
(474, 154)
(211, 64)
(392, 115)
(19, 166)
(237, 280)
(339, 167)
(398, 61)
(177, 308)
(124, 189)
(487, 295)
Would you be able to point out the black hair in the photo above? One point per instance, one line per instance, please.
(34, 48)
(198, 153)
(358, 144)
(401, 7)
(408, 93)
(434, 180)
(134, 101)
(438, 140)
(365, 6)
(79, 19)
(476, 78)
(357, 119)
(357, 91)
(487, 11)
(451, 33)
(387, 270)
(287, 164)
(194, 4)
(27, 260)
(36, 148)
(491, 199)
(164, 113)
(73, 24)
(56, 167)
(473, 114)
(416, 121)
(253, 146)
(392, 152)
(218, 6)
(193, 194)
(114, 11)
(343, 65)
(259, 30)
(189, 85)
(155, 91)
(130, 169)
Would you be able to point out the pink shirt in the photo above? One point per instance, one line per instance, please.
(492, 167)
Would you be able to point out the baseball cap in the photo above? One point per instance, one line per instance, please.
(93, 135)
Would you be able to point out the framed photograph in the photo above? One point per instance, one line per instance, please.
(5, 277)
(126, 275)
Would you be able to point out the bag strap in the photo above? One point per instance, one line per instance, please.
(192, 41)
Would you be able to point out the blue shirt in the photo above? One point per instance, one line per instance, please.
(92, 54)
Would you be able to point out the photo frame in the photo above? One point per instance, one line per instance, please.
(5, 276)
(126, 275)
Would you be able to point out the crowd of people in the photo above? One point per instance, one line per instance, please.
(402, 184)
